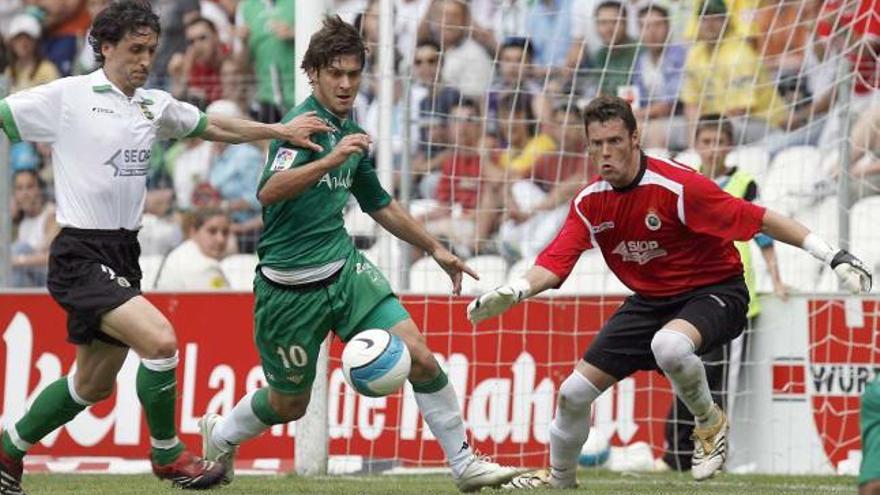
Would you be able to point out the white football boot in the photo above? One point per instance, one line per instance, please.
(482, 472)
(211, 452)
(710, 448)
(539, 479)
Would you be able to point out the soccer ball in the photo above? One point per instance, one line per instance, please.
(595, 451)
(375, 363)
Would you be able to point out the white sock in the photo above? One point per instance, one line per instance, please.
(240, 425)
(571, 425)
(441, 412)
(675, 354)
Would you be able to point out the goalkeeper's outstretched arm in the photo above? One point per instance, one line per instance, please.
(852, 272)
(493, 303)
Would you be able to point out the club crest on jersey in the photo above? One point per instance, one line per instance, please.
(284, 158)
(652, 221)
(639, 252)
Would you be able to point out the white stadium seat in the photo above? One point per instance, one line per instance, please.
(752, 159)
(689, 157)
(790, 183)
(492, 271)
(150, 265)
(590, 276)
(864, 239)
(239, 270)
(359, 224)
(426, 277)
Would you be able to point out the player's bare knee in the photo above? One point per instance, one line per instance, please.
(424, 366)
(164, 346)
(870, 488)
(670, 348)
(91, 389)
(289, 407)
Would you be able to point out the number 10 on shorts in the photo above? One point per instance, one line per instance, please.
(294, 357)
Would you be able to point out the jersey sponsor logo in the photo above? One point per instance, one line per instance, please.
(602, 227)
(333, 182)
(130, 162)
(102, 111)
(652, 221)
(284, 158)
(639, 252)
(146, 110)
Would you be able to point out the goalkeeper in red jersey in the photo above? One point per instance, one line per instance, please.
(667, 232)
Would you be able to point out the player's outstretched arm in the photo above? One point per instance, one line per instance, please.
(854, 274)
(493, 303)
(296, 132)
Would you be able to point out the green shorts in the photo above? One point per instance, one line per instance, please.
(870, 425)
(291, 323)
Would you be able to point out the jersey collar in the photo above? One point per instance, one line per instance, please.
(643, 165)
(327, 115)
(101, 85)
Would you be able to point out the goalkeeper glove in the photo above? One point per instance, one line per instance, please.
(498, 301)
(854, 274)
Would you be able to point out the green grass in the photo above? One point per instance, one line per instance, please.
(592, 483)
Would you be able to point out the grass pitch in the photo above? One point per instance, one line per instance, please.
(592, 483)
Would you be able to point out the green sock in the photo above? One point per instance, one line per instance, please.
(263, 410)
(51, 409)
(157, 391)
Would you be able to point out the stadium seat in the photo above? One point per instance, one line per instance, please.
(360, 225)
(150, 265)
(752, 159)
(239, 270)
(386, 254)
(658, 152)
(689, 157)
(589, 276)
(790, 184)
(492, 271)
(821, 218)
(426, 277)
(864, 239)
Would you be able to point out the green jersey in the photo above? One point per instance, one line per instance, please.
(308, 231)
(272, 57)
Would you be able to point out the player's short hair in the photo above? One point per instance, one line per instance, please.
(203, 20)
(606, 107)
(335, 39)
(715, 122)
(119, 19)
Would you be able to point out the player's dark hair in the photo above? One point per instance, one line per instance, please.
(119, 19)
(606, 107)
(715, 122)
(335, 39)
(522, 43)
(203, 20)
(611, 4)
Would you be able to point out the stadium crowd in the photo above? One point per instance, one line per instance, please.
(486, 105)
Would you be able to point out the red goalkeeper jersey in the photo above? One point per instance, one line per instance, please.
(670, 231)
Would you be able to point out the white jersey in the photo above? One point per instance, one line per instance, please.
(186, 268)
(101, 143)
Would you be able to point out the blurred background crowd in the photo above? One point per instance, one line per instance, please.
(487, 139)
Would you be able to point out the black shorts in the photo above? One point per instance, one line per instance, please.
(90, 273)
(623, 345)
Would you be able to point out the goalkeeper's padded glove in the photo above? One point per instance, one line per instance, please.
(855, 275)
(495, 302)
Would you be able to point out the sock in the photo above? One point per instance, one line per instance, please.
(675, 355)
(157, 391)
(571, 426)
(439, 406)
(56, 405)
(244, 422)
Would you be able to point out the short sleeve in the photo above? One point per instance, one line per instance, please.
(710, 210)
(283, 157)
(563, 252)
(33, 115)
(181, 120)
(370, 194)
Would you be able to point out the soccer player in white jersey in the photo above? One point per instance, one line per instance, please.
(667, 232)
(101, 128)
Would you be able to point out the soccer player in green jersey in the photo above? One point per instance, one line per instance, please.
(312, 280)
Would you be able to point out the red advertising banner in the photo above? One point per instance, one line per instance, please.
(506, 372)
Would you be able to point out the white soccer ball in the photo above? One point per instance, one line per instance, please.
(375, 363)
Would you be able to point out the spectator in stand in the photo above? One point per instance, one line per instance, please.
(430, 105)
(713, 142)
(234, 173)
(160, 226)
(723, 75)
(265, 43)
(221, 18)
(782, 32)
(585, 38)
(195, 73)
(85, 62)
(540, 202)
(33, 218)
(740, 23)
(27, 67)
(657, 74)
(548, 26)
(237, 87)
(466, 208)
(466, 64)
(64, 24)
(865, 154)
(480, 13)
(519, 130)
(613, 63)
(515, 76)
(174, 15)
(195, 264)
